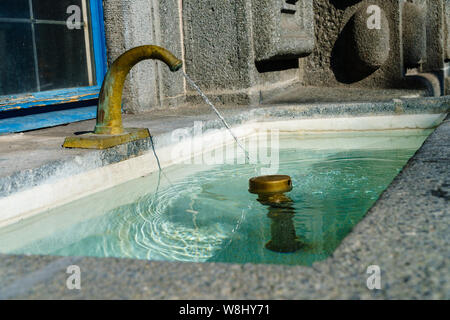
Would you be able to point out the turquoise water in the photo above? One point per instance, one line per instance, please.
(206, 213)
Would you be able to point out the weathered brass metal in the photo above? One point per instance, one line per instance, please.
(270, 191)
(270, 184)
(109, 130)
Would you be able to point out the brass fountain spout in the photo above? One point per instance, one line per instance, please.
(109, 130)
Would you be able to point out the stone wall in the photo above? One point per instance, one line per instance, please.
(348, 53)
(447, 46)
(131, 23)
(216, 40)
(238, 51)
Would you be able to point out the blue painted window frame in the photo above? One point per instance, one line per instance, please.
(64, 98)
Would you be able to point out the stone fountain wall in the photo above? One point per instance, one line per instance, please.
(222, 43)
(239, 51)
(131, 23)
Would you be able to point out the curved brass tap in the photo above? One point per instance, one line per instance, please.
(109, 112)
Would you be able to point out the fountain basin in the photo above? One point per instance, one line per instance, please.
(322, 154)
(403, 232)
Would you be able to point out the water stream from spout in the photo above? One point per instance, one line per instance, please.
(208, 102)
(206, 99)
(225, 123)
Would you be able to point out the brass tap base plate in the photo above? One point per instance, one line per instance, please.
(105, 141)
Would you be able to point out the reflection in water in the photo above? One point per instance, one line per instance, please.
(282, 230)
(270, 191)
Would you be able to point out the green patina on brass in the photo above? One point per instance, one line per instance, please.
(109, 130)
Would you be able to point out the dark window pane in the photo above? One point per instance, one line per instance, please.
(62, 57)
(17, 73)
(54, 56)
(53, 9)
(14, 9)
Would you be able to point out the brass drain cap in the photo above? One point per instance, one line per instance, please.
(270, 184)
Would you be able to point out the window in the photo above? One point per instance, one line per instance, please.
(52, 55)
